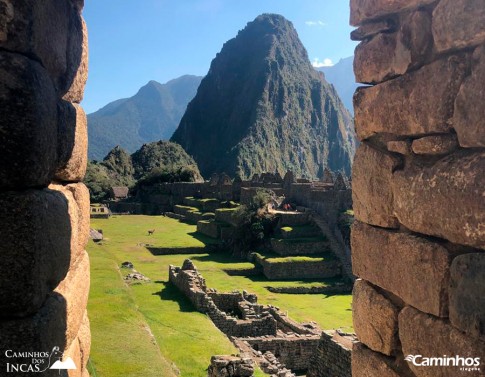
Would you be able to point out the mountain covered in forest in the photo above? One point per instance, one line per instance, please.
(156, 162)
(263, 107)
(341, 76)
(150, 115)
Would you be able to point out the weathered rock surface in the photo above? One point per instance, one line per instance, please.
(417, 103)
(372, 194)
(43, 331)
(78, 58)
(27, 25)
(367, 363)
(35, 248)
(458, 24)
(81, 195)
(28, 129)
(73, 142)
(375, 318)
(380, 256)
(467, 299)
(365, 10)
(422, 334)
(75, 289)
(422, 197)
(399, 146)
(388, 55)
(370, 29)
(469, 110)
(84, 336)
(435, 144)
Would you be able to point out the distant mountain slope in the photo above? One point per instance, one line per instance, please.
(150, 115)
(341, 75)
(263, 107)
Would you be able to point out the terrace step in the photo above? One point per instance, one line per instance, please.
(299, 246)
(300, 231)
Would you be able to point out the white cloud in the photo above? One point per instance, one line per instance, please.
(318, 23)
(324, 63)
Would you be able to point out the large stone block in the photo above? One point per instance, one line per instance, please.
(445, 199)
(362, 11)
(372, 194)
(427, 336)
(367, 363)
(75, 290)
(375, 318)
(78, 58)
(417, 103)
(35, 249)
(467, 298)
(73, 142)
(388, 55)
(42, 332)
(408, 266)
(458, 24)
(81, 195)
(43, 30)
(28, 130)
(435, 144)
(469, 116)
(74, 352)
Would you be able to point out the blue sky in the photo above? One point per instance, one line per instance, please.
(134, 41)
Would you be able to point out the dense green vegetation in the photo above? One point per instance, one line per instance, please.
(156, 162)
(263, 107)
(151, 329)
(152, 114)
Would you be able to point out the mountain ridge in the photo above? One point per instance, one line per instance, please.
(263, 107)
(152, 114)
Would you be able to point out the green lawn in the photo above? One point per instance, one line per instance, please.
(151, 329)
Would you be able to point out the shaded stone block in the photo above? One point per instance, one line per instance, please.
(29, 22)
(35, 249)
(411, 267)
(399, 146)
(435, 144)
(28, 130)
(422, 198)
(372, 194)
(79, 59)
(74, 218)
(375, 318)
(467, 299)
(366, 10)
(427, 336)
(417, 103)
(469, 115)
(73, 142)
(370, 29)
(40, 333)
(75, 290)
(458, 24)
(367, 363)
(387, 55)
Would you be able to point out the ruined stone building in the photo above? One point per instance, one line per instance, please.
(418, 186)
(44, 209)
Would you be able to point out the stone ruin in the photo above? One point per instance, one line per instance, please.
(262, 333)
(44, 207)
(230, 366)
(418, 185)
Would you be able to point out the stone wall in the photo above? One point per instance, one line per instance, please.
(333, 356)
(418, 185)
(226, 316)
(44, 209)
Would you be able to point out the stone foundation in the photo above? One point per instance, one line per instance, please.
(418, 185)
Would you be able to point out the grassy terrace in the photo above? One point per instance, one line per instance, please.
(151, 329)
